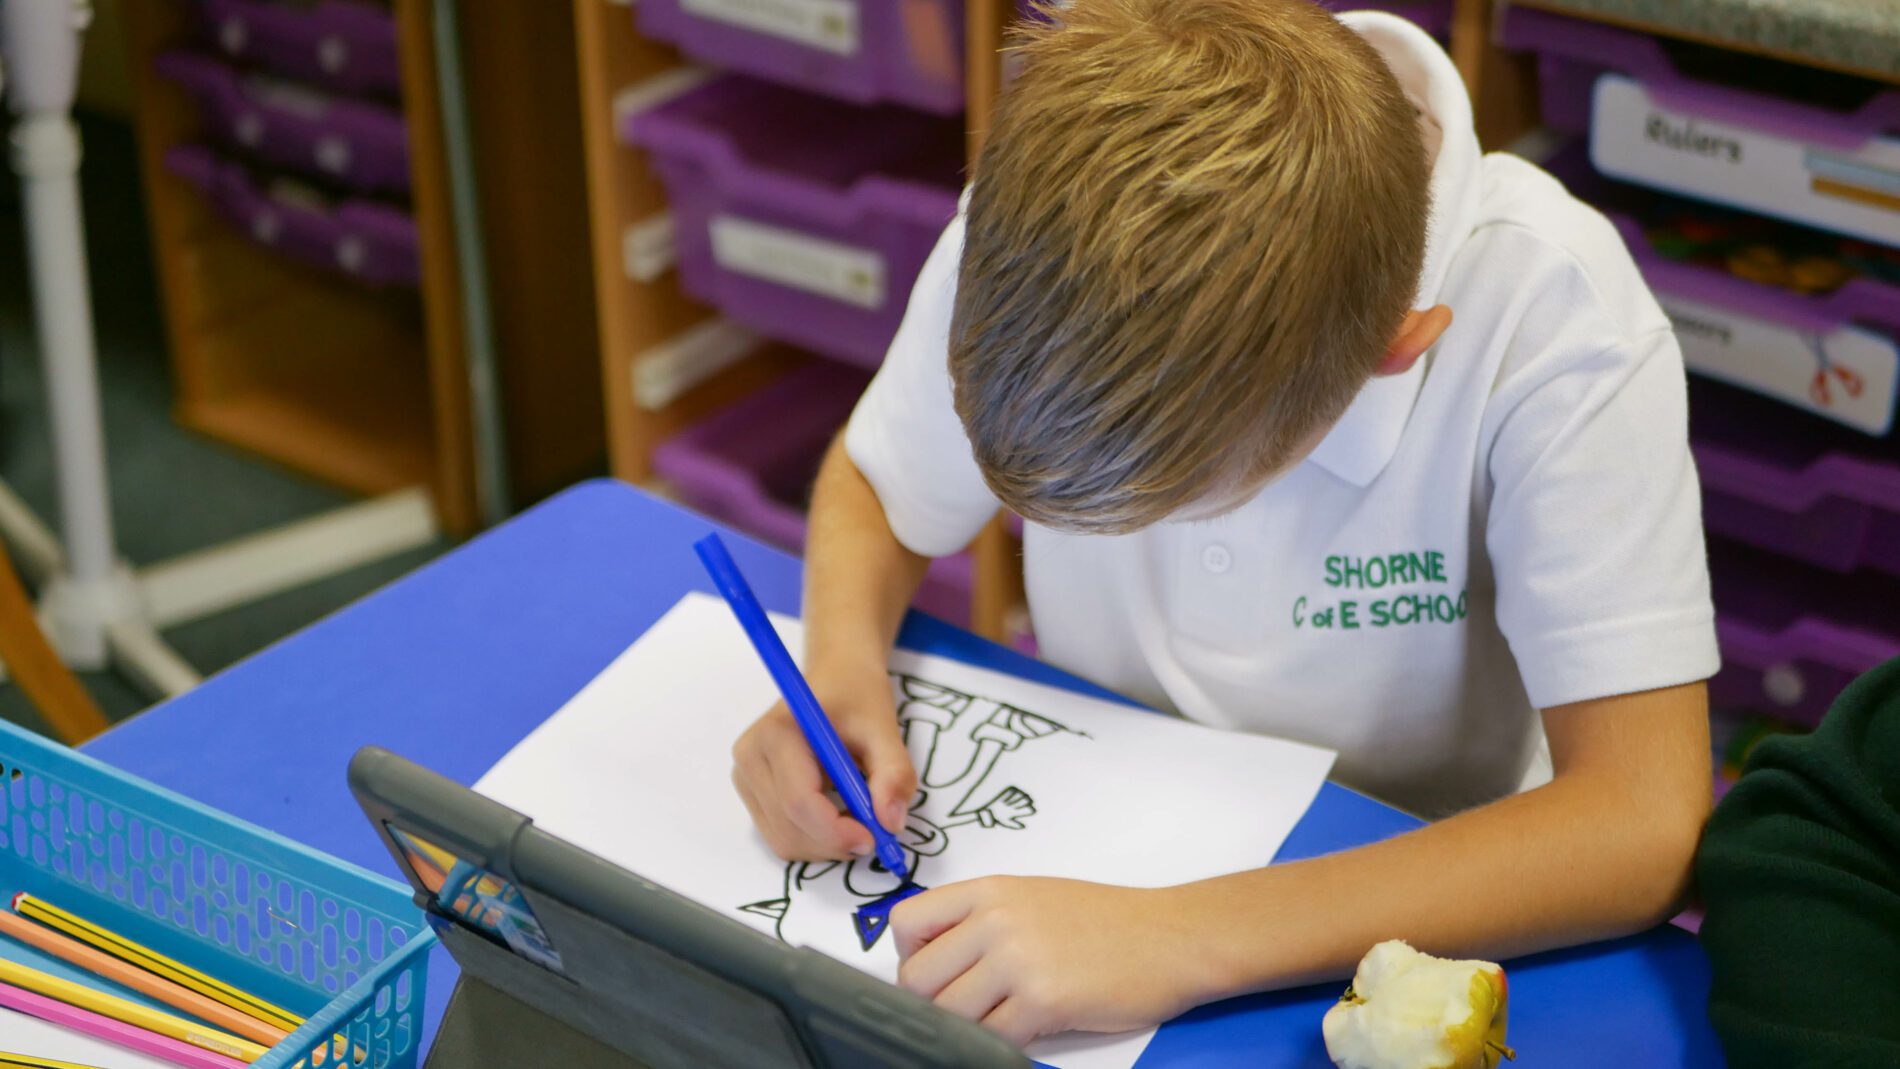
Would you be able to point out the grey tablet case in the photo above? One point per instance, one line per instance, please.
(568, 960)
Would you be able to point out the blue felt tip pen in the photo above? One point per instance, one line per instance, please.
(823, 738)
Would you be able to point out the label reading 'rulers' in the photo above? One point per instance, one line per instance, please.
(828, 24)
(1637, 137)
(789, 258)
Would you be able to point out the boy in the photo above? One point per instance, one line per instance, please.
(1324, 426)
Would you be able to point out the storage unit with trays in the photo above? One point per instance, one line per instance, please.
(908, 53)
(1793, 636)
(1432, 16)
(798, 216)
(277, 161)
(752, 465)
(303, 220)
(1674, 116)
(770, 218)
(1790, 320)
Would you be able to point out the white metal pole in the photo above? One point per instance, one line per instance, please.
(41, 43)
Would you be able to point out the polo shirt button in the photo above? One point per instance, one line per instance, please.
(1215, 558)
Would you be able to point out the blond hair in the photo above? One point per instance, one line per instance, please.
(1194, 230)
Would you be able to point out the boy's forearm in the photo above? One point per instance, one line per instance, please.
(1589, 856)
(858, 577)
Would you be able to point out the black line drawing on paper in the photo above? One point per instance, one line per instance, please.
(956, 741)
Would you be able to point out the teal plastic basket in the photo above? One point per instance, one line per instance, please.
(344, 948)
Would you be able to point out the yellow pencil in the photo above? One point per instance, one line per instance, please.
(153, 962)
(126, 1012)
(27, 1061)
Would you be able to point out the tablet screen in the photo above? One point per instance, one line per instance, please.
(477, 898)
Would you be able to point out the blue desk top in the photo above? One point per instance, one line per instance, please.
(454, 664)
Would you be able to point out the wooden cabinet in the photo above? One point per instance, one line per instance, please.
(370, 389)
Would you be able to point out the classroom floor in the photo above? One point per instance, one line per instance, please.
(173, 490)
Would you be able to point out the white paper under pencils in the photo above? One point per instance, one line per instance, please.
(22, 1034)
(1019, 779)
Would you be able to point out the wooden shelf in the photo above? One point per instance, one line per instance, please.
(312, 438)
(370, 389)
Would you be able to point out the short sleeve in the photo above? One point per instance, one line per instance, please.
(905, 435)
(1595, 527)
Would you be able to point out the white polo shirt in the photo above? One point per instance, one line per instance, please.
(1511, 525)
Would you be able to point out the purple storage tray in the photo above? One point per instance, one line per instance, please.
(751, 465)
(1432, 16)
(340, 44)
(1866, 301)
(880, 180)
(372, 242)
(1863, 301)
(1792, 638)
(1795, 484)
(1575, 50)
(359, 144)
(901, 52)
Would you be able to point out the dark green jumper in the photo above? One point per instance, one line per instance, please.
(1800, 872)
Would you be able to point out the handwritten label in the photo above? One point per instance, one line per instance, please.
(1640, 137)
(1686, 136)
(789, 258)
(828, 24)
(1848, 374)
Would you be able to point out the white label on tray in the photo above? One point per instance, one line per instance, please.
(1847, 375)
(286, 96)
(828, 24)
(789, 258)
(1635, 138)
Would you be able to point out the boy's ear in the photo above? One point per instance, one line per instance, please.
(1418, 333)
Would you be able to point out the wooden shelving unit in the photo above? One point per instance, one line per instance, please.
(635, 316)
(369, 389)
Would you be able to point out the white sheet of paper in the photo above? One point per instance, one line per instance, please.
(1019, 779)
(21, 1034)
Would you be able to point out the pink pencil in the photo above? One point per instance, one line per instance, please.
(125, 1035)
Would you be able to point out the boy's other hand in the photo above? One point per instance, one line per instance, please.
(1030, 957)
(785, 790)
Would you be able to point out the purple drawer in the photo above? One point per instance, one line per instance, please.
(1792, 638)
(1432, 16)
(1835, 355)
(1592, 47)
(805, 219)
(1814, 147)
(866, 51)
(1795, 485)
(359, 144)
(340, 44)
(751, 465)
(366, 240)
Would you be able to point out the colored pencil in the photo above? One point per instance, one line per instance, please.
(127, 1012)
(109, 942)
(27, 1061)
(125, 974)
(99, 1026)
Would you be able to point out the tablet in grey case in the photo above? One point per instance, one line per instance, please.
(572, 961)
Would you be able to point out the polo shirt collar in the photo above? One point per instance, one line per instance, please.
(1360, 445)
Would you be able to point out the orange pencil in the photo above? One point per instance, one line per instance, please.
(77, 953)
